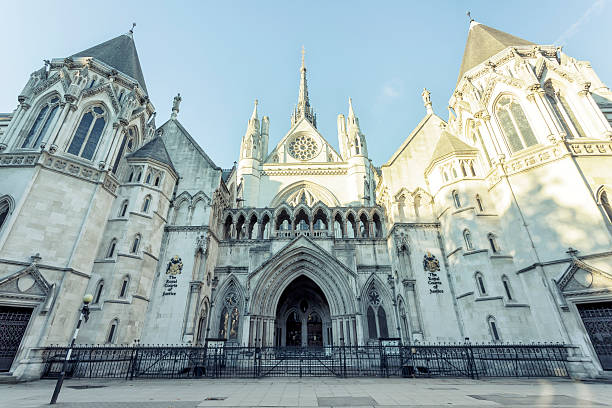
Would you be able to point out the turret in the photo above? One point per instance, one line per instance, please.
(252, 153)
(356, 139)
(342, 137)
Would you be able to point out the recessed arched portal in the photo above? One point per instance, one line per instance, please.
(302, 315)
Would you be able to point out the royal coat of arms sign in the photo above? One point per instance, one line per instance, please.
(175, 266)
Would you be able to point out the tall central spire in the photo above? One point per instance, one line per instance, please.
(303, 109)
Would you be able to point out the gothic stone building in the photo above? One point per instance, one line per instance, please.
(494, 224)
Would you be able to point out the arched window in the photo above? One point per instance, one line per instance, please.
(98, 292)
(467, 237)
(338, 226)
(123, 209)
(136, 244)
(445, 175)
(111, 337)
(157, 181)
(377, 225)
(350, 226)
(364, 226)
(230, 316)
(493, 243)
(372, 332)
(356, 146)
(603, 199)
(514, 124)
(131, 177)
(126, 142)
(463, 169)
(146, 203)
(202, 324)
(227, 227)
(265, 226)
(507, 289)
(111, 248)
(493, 328)
(139, 176)
(5, 208)
(456, 199)
(376, 315)
(125, 285)
(88, 133)
(148, 178)
(480, 284)
(472, 169)
(479, 203)
(42, 124)
(454, 172)
(564, 114)
(382, 322)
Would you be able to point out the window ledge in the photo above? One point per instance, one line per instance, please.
(141, 214)
(487, 298)
(512, 304)
(105, 260)
(485, 214)
(474, 251)
(121, 301)
(453, 252)
(135, 256)
(118, 219)
(464, 295)
(462, 209)
(502, 257)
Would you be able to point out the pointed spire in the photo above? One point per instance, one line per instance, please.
(483, 42)
(351, 112)
(175, 105)
(427, 101)
(254, 115)
(303, 109)
(119, 53)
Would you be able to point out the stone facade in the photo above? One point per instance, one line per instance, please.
(492, 225)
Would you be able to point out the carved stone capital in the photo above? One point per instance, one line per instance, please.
(408, 283)
(3, 147)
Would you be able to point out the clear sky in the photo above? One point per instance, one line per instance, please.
(221, 55)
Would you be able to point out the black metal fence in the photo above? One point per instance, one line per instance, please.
(441, 360)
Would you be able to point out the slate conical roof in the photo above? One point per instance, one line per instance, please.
(119, 53)
(449, 144)
(154, 149)
(483, 42)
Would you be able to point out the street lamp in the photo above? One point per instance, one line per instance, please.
(84, 315)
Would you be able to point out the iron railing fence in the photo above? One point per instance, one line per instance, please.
(440, 360)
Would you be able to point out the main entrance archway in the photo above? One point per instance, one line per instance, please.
(303, 316)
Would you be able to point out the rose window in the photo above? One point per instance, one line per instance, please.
(303, 147)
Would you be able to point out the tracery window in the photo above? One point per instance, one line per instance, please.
(302, 147)
(514, 124)
(376, 315)
(479, 203)
(565, 114)
(88, 133)
(337, 226)
(42, 124)
(230, 315)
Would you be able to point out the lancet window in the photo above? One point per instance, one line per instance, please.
(230, 315)
(42, 123)
(88, 133)
(514, 124)
(376, 315)
(564, 114)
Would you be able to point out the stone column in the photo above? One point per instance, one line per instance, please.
(413, 310)
(191, 309)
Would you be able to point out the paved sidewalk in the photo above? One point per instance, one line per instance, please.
(310, 392)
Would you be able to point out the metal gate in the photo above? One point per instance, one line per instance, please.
(597, 318)
(13, 323)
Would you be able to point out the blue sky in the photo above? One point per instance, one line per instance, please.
(222, 55)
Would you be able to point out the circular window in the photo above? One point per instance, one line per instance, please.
(303, 147)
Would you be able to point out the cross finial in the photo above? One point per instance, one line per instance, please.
(132, 29)
(303, 53)
(469, 14)
(572, 252)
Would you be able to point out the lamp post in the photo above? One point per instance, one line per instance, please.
(84, 315)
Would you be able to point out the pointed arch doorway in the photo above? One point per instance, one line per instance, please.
(302, 316)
